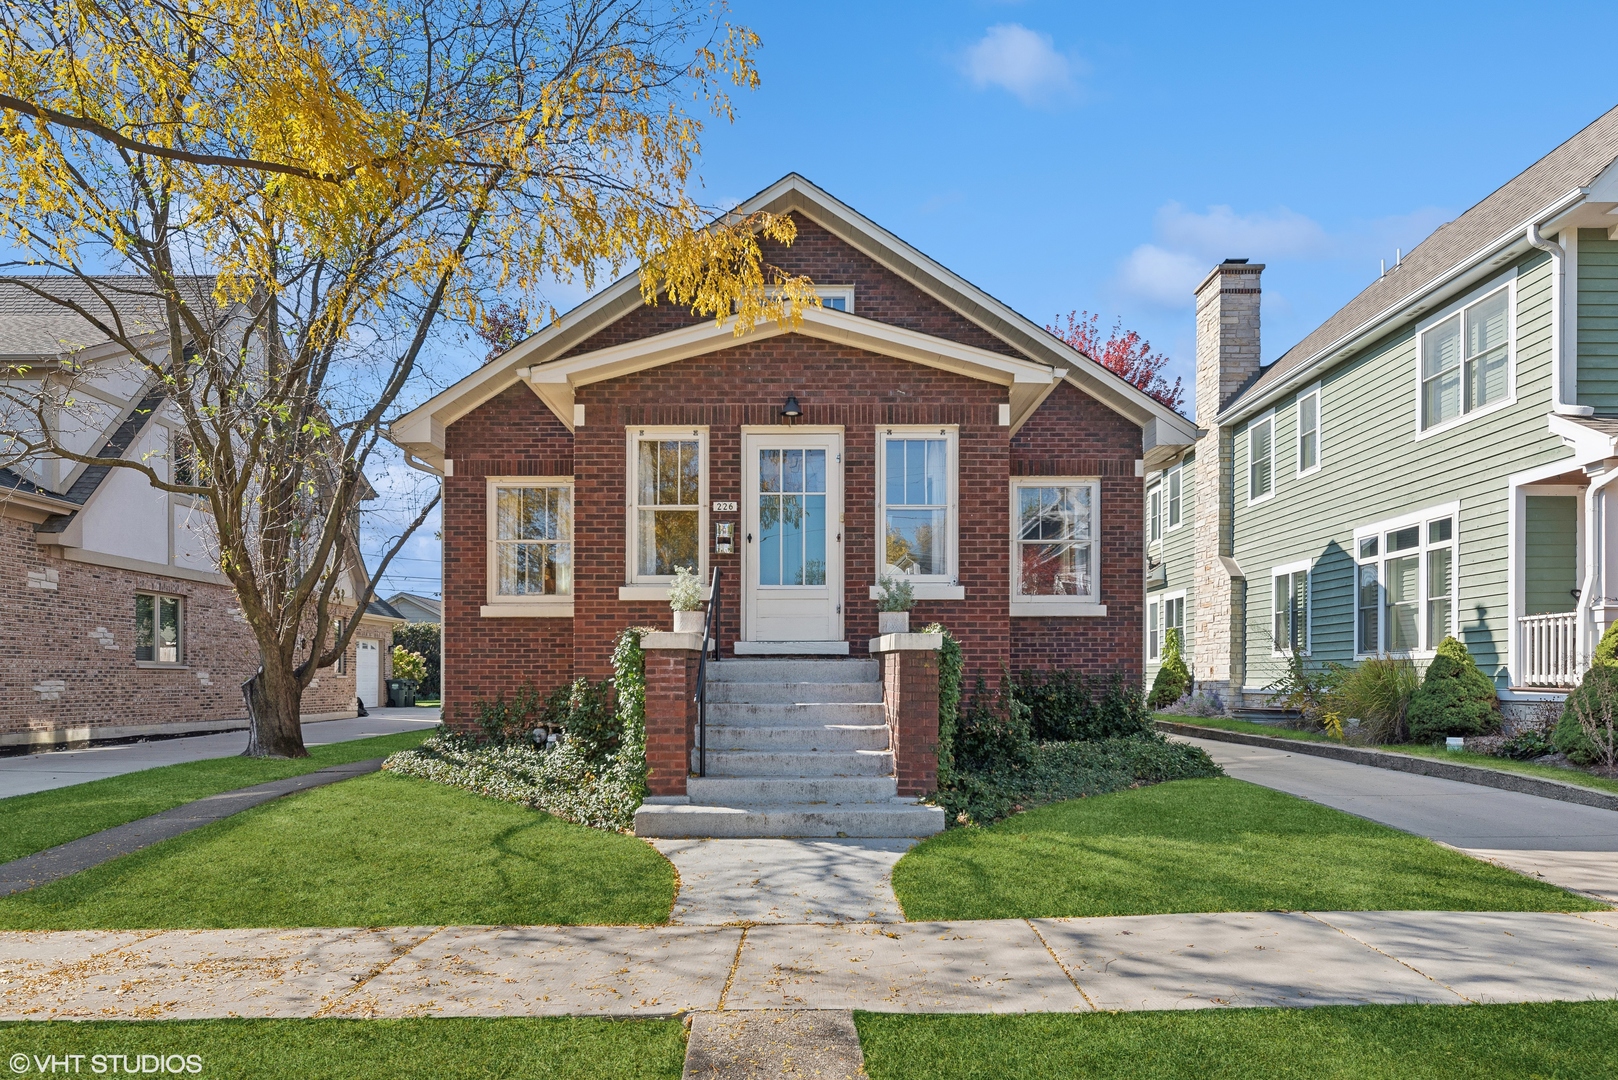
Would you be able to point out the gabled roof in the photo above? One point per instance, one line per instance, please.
(35, 326)
(1488, 234)
(1043, 360)
(117, 445)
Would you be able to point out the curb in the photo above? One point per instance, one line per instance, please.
(1382, 759)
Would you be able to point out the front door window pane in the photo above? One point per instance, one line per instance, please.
(792, 517)
(917, 485)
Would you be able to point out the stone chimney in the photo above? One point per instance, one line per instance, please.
(1227, 357)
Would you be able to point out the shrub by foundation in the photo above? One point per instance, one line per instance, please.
(1455, 698)
(1173, 679)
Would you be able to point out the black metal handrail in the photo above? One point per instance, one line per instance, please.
(710, 632)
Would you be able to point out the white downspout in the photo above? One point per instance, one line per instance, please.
(1595, 583)
(1559, 403)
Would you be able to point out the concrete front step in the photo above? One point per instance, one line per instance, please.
(788, 819)
(798, 737)
(786, 763)
(793, 693)
(795, 671)
(740, 714)
(753, 791)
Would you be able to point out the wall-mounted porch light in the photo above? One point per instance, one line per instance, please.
(791, 410)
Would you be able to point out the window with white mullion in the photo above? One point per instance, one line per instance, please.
(1290, 611)
(918, 503)
(1055, 547)
(1154, 515)
(1308, 431)
(1175, 500)
(1153, 646)
(666, 512)
(1405, 587)
(1466, 360)
(1261, 458)
(533, 541)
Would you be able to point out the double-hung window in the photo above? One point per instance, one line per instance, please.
(159, 629)
(530, 546)
(1163, 614)
(1466, 360)
(667, 484)
(1405, 593)
(1054, 548)
(1173, 485)
(1309, 430)
(1154, 514)
(1261, 458)
(918, 509)
(1289, 608)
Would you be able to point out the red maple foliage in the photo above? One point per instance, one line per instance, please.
(1124, 353)
(500, 326)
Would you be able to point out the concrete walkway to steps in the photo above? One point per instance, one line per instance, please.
(23, 774)
(1566, 844)
(724, 882)
(1041, 965)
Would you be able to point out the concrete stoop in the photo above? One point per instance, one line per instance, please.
(796, 748)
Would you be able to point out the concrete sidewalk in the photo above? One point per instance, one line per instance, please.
(1062, 965)
(22, 774)
(1566, 844)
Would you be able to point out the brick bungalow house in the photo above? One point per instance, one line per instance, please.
(117, 623)
(912, 425)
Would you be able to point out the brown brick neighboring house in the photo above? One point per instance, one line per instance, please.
(936, 430)
(89, 552)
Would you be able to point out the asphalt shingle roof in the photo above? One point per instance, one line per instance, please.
(1574, 164)
(33, 325)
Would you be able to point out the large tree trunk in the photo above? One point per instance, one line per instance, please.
(274, 729)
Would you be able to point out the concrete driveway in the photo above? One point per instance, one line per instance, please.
(1569, 845)
(22, 774)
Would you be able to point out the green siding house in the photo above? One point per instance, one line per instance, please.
(1436, 458)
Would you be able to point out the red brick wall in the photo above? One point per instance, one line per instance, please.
(512, 434)
(1072, 434)
(835, 385)
(81, 633)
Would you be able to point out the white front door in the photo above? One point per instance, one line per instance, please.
(792, 536)
(367, 671)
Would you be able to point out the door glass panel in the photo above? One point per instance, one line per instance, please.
(792, 517)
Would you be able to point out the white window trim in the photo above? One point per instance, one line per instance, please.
(1051, 606)
(1158, 642)
(1263, 418)
(1297, 434)
(1509, 283)
(519, 607)
(656, 586)
(1178, 472)
(1159, 490)
(1308, 567)
(181, 643)
(843, 292)
(952, 512)
(1379, 529)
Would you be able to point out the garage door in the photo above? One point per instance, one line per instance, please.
(368, 671)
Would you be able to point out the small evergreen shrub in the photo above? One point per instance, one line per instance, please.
(1173, 679)
(1585, 733)
(1455, 697)
(1064, 706)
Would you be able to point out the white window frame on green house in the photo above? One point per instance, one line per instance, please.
(1067, 604)
(553, 605)
(1154, 514)
(941, 585)
(1160, 612)
(1281, 641)
(1435, 324)
(1174, 499)
(1427, 565)
(652, 586)
(1266, 421)
(1311, 395)
(156, 604)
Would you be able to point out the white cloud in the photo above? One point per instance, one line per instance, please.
(1221, 233)
(1161, 276)
(1020, 60)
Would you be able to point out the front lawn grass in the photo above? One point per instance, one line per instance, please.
(1464, 757)
(1200, 845)
(552, 1048)
(1551, 1041)
(380, 850)
(47, 818)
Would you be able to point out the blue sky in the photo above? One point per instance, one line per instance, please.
(1103, 157)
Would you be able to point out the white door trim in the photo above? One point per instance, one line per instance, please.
(829, 438)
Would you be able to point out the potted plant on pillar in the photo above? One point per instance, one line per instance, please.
(685, 597)
(893, 606)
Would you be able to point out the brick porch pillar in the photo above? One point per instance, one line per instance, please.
(910, 700)
(671, 715)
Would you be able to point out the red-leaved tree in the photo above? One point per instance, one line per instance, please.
(1124, 353)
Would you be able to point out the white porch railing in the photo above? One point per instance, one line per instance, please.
(1550, 649)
